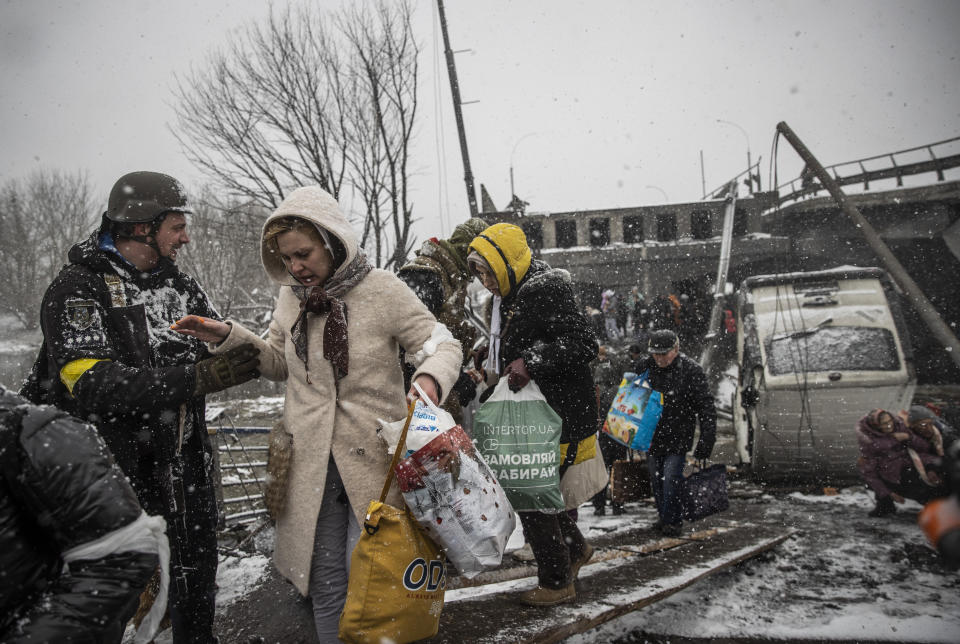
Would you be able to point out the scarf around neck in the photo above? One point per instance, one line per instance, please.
(328, 299)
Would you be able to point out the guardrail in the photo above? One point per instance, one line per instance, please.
(240, 466)
(894, 165)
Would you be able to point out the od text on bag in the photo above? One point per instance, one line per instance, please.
(518, 435)
(705, 492)
(457, 501)
(635, 412)
(396, 586)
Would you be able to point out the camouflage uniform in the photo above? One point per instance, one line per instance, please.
(439, 275)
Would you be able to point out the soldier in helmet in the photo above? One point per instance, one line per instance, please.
(109, 357)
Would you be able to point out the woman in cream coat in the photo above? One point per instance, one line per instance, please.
(334, 339)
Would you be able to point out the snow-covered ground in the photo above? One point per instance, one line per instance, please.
(842, 577)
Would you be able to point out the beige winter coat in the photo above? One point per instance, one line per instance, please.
(382, 314)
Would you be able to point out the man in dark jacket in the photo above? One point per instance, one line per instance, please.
(687, 400)
(538, 332)
(109, 357)
(62, 499)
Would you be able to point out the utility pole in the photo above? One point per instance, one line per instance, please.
(455, 92)
(703, 176)
(723, 269)
(927, 312)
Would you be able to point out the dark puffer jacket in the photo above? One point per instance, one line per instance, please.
(60, 488)
(146, 371)
(541, 323)
(687, 399)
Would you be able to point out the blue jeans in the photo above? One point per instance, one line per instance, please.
(666, 479)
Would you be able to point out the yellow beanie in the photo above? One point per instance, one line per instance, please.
(504, 247)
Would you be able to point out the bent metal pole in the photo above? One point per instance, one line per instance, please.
(930, 316)
(455, 93)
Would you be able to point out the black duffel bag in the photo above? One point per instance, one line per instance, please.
(705, 492)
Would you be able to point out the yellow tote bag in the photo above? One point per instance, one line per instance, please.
(396, 585)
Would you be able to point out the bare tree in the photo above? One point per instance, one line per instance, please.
(224, 256)
(41, 217)
(309, 98)
(384, 66)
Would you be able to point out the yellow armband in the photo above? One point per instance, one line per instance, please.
(72, 371)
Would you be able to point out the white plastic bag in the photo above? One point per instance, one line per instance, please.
(428, 421)
(457, 501)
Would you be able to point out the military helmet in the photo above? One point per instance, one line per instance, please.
(140, 197)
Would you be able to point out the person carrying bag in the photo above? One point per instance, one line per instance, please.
(396, 585)
(635, 412)
(540, 340)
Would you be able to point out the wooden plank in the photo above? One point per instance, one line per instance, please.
(566, 630)
(637, 576)
(508, 573)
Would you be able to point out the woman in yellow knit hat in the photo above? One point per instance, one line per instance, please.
(538, 332)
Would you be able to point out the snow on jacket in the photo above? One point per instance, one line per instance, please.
(543, 325)
(340, 419)
(441, 284)
(142, 372)
(687, 399)
(883, 457)
(59, 489)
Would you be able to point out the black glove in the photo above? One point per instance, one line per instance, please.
(232, 367)
(465, 388)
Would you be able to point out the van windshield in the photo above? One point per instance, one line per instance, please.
(833, 348)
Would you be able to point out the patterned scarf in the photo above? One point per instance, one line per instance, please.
(328, 299)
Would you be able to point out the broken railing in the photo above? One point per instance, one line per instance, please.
(934, 157)
(240, 467)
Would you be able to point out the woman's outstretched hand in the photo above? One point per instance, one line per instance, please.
(204, 329)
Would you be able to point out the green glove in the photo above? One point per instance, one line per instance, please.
(232, 367)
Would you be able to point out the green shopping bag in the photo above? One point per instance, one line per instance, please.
(518, 435)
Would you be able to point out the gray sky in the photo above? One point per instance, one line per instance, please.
(595, 103)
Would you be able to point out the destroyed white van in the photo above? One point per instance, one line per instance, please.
(816, 351)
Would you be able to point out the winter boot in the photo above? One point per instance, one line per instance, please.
(584, 558)
(541, 596)
(670, 530)
(524, 553)
(885, 507)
